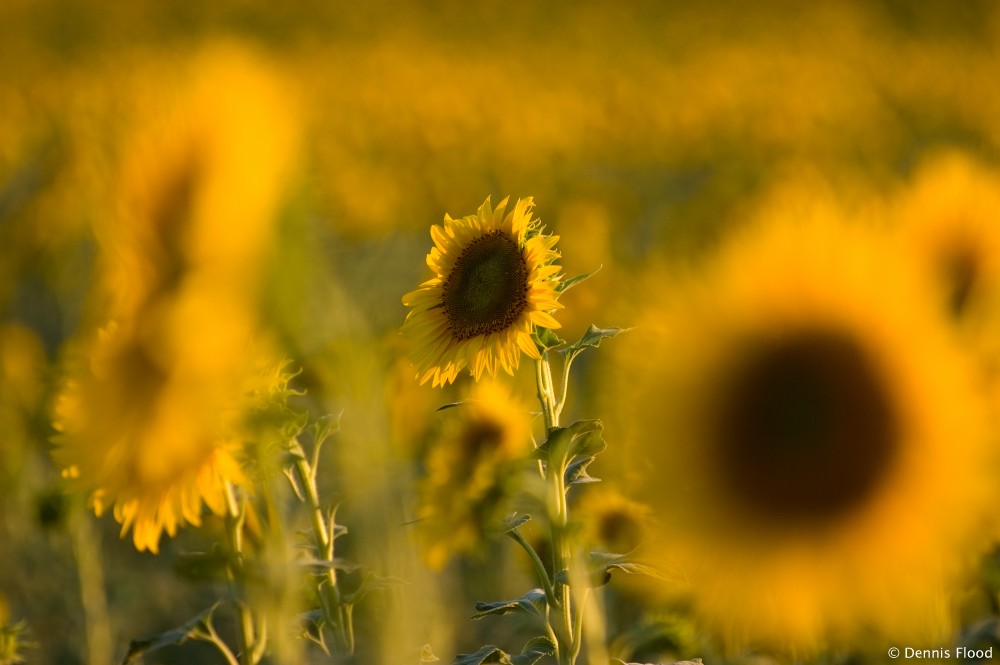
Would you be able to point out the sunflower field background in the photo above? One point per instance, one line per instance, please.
(209, 214)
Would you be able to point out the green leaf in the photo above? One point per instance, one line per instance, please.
(545, 339)
(582, 439)
(529, 603)
(371, 582)
(568, 284)
(488, 654)
(337, 564)
(603, 563)
(534, 650)
(514, 521)
(175, 636)
(325, 427)
(576, 472)
(592, 339)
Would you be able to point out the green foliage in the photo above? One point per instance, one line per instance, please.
(536, 649)
(199, 627)
(591, 339)
(582, 440)
(602, 564)
(567, 284)
(532, 603)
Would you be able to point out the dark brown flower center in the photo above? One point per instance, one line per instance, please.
(806, 430)
(487, 289)
(961, 270)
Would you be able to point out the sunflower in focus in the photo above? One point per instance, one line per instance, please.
(494, 279)
(819, 456)
(473, 468)
(152, 411)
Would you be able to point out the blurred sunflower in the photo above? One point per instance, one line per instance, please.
(151, 413)
(611, 521)
(950, 217)
(815, 440)
(494, 280)
(472, 468)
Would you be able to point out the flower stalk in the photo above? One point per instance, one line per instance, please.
(568, 629)
(251, 651)
(303, 477)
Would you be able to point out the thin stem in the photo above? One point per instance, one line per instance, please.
(323, 532)
(211, 636)
(568, 359)
(235, 517)
(97, 622)
(578, 626)
(543, 576)
(556, 477)
(544, 397)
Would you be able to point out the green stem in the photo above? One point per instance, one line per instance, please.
(543, 576)
(578, 626)
(235, 517)
(323, 532)
(209, 635)
(564, 382)
(559, 517)
(97, 621)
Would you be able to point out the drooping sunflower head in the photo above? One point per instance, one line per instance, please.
(814, 437)
(473, 467)
(494, 279)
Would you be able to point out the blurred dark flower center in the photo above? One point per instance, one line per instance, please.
(487, 289)
(961, 270)
(482, 437)
(171, 215)
(805, 429)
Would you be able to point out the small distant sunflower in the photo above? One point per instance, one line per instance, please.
(472, 466)
(494, 278)
(611, 521)
(950, 219)
(815, 439)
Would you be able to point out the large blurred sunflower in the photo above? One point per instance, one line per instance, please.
(818, 454)
(151, 414)
(473, 464)
(494, 279)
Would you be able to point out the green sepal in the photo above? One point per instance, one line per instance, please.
(568, 284)
(191, 629)
(488, 654)
(530, 603)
